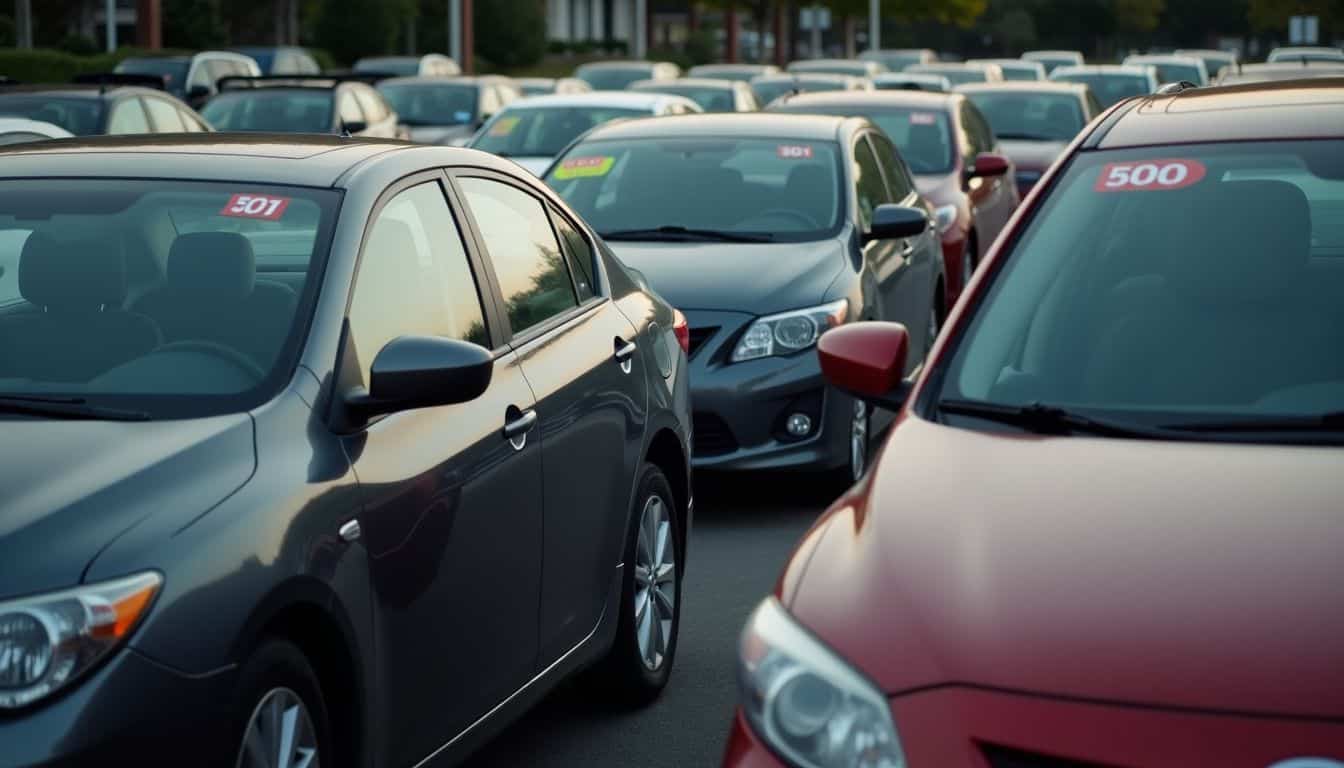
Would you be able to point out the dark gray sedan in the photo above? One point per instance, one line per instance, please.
(321, 450)
(766, 230)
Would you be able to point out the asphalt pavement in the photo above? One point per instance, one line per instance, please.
(744, 529)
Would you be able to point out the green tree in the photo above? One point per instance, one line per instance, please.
(350, 29)
(1273, 15)
(510, 33)
(6, 31)
(1138, 16)
(193, 24)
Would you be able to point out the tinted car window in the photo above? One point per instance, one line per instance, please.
(977, 130)
(778, 188)
(579, 254)
(543, 131)
(82, 117)
(897, 177)
(19, 137)
(281, 110)
(770, 90)
(80, 237)
(174, 69)
(1031, 116)
(1110, 88)
(870, 189)
(165, 116)
(923, 137)
(709, 99)
(127, 117)
(533, 278)
(414, 277)
(394, 65)
(1172, 285)
(437, 104)
(610, 78)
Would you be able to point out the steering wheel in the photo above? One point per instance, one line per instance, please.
(238, 359)
(787, 213)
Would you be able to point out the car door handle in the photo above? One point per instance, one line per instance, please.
(625, 353)
(517, 427)
(907, 248)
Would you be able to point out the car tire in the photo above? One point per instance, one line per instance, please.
(859, 445)
(279, 698)
(640, 661)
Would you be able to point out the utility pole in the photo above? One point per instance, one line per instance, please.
(639, 30)
(23, 23)
(816, 31)
(455, 32)
(875, 25)
(110, 22)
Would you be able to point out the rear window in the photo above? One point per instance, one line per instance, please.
(709, 99)
(174, 69)
(1031, 116)
(958, 75)
(924, 137)
(544, 131)
(769, 90)
(425, 104)
(1110, 88)
(280, 111)
(82, 117)
(1170, 285)
(611, 78)
(400, 66)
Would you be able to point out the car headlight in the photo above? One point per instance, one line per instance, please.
(789, 332)
(46, 641)
(808, 704)
(944, 216)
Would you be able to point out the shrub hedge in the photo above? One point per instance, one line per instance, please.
(46, 65)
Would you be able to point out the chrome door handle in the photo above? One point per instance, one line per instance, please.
(907, 248)
(625, 353)
(515, 431)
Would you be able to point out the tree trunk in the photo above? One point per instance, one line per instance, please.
(847, 23)
(730, 32)
(23, 24)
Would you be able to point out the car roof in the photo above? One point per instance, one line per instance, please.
(745, 124)
(693, 82)
(1143, 70)
(1298, 109)
(1024, 86)
(626, 99)
(1163, 58)
(901, 99)
(291, 159)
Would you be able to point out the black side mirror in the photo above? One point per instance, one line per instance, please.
(355, 126)
(198, 94)
(893, 222)
(422, 372)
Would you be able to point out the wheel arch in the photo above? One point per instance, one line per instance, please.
(666, 452)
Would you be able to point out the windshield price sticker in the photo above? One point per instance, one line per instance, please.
(794, 152)
(923, 118)
(584, 167)
(1150, 176)
(263, 207)
(504, 126)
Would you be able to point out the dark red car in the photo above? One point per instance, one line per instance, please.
(954, 155)
(1146, 565)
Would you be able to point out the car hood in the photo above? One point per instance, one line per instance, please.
(440, 134)
(1182, 575)
(940, 189)
(69, 488)
(1032, 155)
(760, 278)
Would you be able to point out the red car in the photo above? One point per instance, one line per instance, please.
(954, 155)
(1146, 565)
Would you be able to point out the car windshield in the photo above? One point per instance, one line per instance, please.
(1031, 116)
(924, 137)
(958, 75)
(1174, 73)
(174, 69)
(1172, 285)
(289, 110)
(544, 131)
(82, 117)
(836, 68)
(401, 66)
(897, 62)
(1109, 88)
(168, 298)
(611, 78)
(1011, 72)
(709, 98)
(536, 89)
(768, 90)
(723, 73)
(781, 189)
(437, 104)
(263, 56)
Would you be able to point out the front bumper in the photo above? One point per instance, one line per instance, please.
(740, 408)
(131, 711)
(971, 728)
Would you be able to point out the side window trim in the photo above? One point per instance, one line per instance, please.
(550, 324)
(599, 287)
(906, 180)
(886, 175)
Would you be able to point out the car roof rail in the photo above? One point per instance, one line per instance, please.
(1171, 89)
(106, 79)
(331, 80)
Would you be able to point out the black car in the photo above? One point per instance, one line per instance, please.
(320, 448)
(332, 104)
(767, 231)
(442, 110)
(115, 104)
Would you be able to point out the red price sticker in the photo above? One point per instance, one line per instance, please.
(923, 118)
(1150, 176)
(262, 207)
(794, 152)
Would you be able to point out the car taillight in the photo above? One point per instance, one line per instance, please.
(682, 330)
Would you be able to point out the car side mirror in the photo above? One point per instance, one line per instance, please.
(893, 222)
(988, 164)
(422, 372)
(867, 360)
(354, 126)
(198, 92)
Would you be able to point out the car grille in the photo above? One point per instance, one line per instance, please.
(711, 436)
(698, 337)
(1004, 757)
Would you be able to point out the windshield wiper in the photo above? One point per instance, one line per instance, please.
(65, 408)
(682, 234)
(1332, 421)
(1047, 419)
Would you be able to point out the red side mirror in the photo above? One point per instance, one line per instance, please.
(987, 164)
(867, 360)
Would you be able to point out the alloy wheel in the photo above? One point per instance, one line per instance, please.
(280, 734)
(655, 583)
(858, 440)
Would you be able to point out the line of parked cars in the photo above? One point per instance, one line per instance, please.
(348, 448)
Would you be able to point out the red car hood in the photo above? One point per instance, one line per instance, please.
(1167, 574)
(1032, 155)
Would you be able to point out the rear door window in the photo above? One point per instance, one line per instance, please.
(898, 179)
(579, 254)
(869, 186)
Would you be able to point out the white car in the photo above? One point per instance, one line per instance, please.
(1054, 59)
(17, 130)
(531, 132)
(1301, 53)
(900, 81)
(1174, 69)
(1214, 60)
(1015, 69)
(1111, 83)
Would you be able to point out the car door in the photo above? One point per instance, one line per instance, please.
(917, 288)
(452, 516)
(994, 197)
(577, 351)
